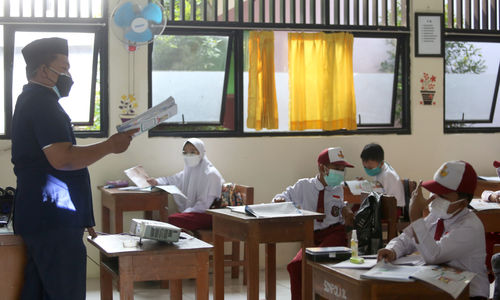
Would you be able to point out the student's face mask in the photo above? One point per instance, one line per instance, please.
(63, 84)
(191, 160)
(374, 171)
(439, 207)
(334, 177)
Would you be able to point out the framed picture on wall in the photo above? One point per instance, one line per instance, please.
(429, 34)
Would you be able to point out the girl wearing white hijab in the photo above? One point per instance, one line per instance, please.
(200, 181)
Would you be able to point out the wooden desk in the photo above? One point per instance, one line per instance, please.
(253, 231)
(483, 185)
(12, 261)
(341, 284)
(188, 258)
(115, 202)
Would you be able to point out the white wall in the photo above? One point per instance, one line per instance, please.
(270, 164)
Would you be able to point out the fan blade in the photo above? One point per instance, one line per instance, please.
(152, 12)
(124, 15)
(137, 37)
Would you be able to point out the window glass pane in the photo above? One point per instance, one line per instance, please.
(471, 74)
(190, 68)
(373, 63)
(81, 50)
(2, 90)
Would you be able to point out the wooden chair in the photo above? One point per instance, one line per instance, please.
(388, 214)
(409, 186)
(233, 259)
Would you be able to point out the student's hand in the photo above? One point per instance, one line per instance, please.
(348, 216)
(360, 178)
(386, 254)
(152, 181)
(279, 199)
(494, 197)
(418, 204)
(119, 142)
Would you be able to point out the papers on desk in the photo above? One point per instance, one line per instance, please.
(171, 189)
(448, 279)
(151, 118)
(388, 271)
(358, 186)
(479, 204)
(410, 260)
(347, 264)
(268, 210)
(489, 178)
(138, 176)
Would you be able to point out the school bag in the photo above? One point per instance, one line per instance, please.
(368, 226)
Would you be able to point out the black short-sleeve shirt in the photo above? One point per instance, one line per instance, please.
(46, 197)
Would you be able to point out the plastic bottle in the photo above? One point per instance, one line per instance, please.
(354, 244)
(354, 249)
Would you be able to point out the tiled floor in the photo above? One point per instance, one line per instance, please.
(234, 288)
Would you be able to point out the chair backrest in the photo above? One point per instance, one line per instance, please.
(234, 195)
(388, 212)
(409, 186)
(246, 193)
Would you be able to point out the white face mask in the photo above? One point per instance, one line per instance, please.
(191, 160)
(439, 207)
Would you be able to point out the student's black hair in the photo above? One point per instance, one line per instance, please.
(372, 151)
(465, 196)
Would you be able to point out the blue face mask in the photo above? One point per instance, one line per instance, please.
(374, 171)
(334, 177)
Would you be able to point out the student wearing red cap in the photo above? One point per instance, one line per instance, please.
(493, 238)
(323, 193)
(451, 234)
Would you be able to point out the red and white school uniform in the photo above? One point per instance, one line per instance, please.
(461, 246)
(328, 232)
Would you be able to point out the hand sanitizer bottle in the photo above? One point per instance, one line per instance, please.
(354, 249)
(354, 244)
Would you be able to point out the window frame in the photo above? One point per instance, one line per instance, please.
(464, 37)
(100, 52)
(402, 49)
(231, 41)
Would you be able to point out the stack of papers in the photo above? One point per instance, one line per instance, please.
(448, 279)
(268, 210)
(139, 176)
(150, 118)
(358, 186)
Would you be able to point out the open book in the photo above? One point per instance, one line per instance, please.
(139, 176)
(448, 279)
(358, 186)
(150, 118)
(479, 204)
(268, 210)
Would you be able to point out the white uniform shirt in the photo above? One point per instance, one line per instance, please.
(462, 246)
(304, 194)
(391, 183)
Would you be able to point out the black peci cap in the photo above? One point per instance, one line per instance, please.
(38, 51)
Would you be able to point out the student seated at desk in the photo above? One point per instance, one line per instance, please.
(493, 238)
(373, 161)
(323, 193)
(451, 234)
(200, 181)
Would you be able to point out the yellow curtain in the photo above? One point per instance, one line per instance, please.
(262, 105)
(321, 81)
